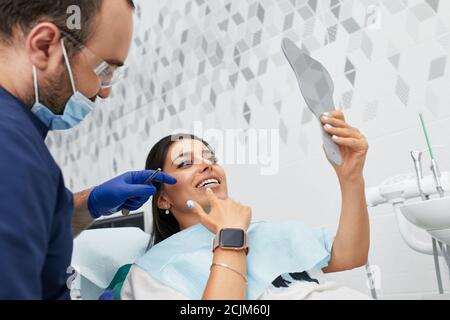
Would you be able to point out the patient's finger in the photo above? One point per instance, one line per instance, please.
(336, 114)
(196, 208)
(338, 123)
(347, 142)
(342, 132)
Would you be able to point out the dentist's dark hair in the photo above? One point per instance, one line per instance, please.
(164, 225)
(25, 14)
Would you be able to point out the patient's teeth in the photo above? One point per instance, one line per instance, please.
(206, 182)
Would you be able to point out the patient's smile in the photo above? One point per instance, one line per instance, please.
(209, 183)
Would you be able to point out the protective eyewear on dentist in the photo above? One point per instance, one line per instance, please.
(107, 74)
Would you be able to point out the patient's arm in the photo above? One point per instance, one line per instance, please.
(225, 284)
(351, 244)
(229, 282)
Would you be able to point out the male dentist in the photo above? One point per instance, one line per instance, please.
(50, 77)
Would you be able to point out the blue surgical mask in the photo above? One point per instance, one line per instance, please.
(76, 109)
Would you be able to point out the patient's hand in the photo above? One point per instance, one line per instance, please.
(223, 214)
(352, 145)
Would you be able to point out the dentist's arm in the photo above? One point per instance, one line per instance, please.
(81, 218)
(128, 191)
(351, 244)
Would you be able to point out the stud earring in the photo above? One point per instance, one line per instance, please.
(167, 211)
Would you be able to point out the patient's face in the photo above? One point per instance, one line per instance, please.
(195, 168)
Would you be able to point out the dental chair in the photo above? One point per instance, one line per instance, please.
(97, 256)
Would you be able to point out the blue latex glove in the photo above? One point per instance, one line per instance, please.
(107, 295)
(127, 191)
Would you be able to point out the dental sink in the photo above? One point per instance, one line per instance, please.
(432, 215)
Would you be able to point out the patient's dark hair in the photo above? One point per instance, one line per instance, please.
(164, 225)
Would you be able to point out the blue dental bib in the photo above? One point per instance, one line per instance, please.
(183, 261)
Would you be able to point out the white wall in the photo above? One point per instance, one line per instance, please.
(401, 69)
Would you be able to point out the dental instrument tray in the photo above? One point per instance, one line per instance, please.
(317, 89)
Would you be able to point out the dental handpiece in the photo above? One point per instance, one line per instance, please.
(417, 155)
(437, 177)
(126, 212)
(434, 166)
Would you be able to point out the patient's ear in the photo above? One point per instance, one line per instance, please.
(163, 202)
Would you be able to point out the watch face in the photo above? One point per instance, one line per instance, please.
(232, 238)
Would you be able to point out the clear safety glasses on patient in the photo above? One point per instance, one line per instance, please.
(107, 74)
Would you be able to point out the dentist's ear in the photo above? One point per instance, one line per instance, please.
(43, 46)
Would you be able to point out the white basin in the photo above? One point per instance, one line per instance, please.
(432, 215)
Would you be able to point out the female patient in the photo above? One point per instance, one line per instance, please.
(186, 216)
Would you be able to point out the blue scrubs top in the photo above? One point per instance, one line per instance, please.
(35, 209)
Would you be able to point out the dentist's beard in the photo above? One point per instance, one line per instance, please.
(55, 93)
